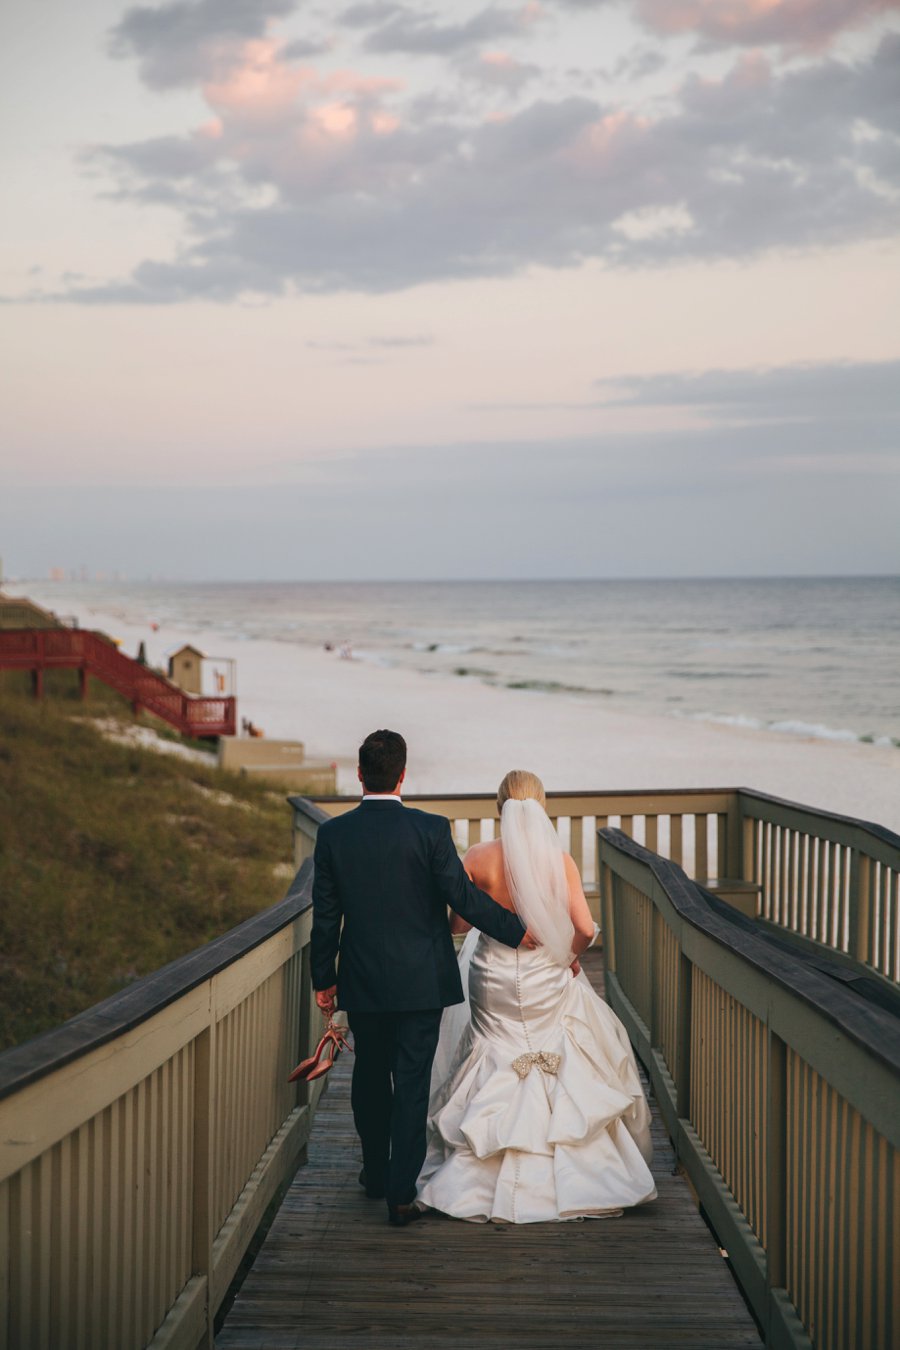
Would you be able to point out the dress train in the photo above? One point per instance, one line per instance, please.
(537, 1111)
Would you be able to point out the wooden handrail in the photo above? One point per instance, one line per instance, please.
(148, 995)
(781, 1091)
(142, 1142)
(831, 881)
(759, 804)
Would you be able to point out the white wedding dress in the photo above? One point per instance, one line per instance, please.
(537, 1112)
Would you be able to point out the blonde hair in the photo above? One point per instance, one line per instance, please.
(520, 785)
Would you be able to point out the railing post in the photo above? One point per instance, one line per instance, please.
(606, 882)
(683, 1035)
(305, 1043)
(600, 920)
(776, 1170)
(748, 850)
(202, 1196)
(859, 905)
(304, 839)
(652, 983)
(734, 839)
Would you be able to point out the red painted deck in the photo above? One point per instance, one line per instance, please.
(40, 649)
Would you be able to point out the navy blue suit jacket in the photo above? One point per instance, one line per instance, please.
(385, 875)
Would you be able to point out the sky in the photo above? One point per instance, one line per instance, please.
(391, 289)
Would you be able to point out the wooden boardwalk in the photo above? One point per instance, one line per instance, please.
(333, 1273)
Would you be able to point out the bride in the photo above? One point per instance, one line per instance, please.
(537, 1112)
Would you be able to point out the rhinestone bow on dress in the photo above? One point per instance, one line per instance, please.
(543, 1059)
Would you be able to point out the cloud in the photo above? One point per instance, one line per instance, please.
(304, 49)
(794, 23)
(185, 41)
(500, 70)
(638, 63)
(305, 181)
(412, 32)
(398, 341)
(797, 24)
(369, 15)
(824, 392)
(401, 340)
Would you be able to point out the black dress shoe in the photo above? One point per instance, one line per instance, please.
(401, 1215)
(372, 1192)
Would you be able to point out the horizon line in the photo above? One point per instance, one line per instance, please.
(440, 580)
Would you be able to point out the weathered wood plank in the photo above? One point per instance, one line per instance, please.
(333, 1273)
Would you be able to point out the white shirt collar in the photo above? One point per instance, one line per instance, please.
(382, 797)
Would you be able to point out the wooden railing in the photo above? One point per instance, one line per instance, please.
(141, 1143)
(825, 881)
(697, 826)
(40, 649)
(781, 1091)
(830, 880)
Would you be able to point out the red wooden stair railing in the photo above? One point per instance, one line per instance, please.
(40, 649)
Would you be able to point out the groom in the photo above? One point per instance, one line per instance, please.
(389, 873)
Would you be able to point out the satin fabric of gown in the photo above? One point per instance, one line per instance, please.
(543, 1139)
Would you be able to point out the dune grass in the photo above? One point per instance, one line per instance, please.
(115, 859)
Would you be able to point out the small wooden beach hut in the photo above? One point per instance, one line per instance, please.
(186, 668)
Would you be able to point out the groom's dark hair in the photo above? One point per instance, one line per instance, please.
(382, 759)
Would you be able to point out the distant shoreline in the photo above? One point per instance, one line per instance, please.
(812, 657)
(19, 584)
(464, 734)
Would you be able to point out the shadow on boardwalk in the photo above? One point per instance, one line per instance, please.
(333, 1273)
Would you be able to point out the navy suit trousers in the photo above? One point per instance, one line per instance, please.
(391, 1083)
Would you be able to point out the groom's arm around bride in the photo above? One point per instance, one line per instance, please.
(385, 875)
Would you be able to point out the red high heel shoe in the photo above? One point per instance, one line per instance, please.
(333, 1041)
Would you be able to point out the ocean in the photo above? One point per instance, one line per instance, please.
(806, 656)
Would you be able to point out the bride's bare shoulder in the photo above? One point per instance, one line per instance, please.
(485, 857)
(490, 848)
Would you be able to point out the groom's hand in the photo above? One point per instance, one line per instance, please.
(325, 998)
(529, 940)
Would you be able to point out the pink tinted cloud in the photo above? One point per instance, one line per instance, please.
(501, 70)
(605, 141)
(809, 24)
(258, 83)
(350, 82)
(293, 126)
(296, 105)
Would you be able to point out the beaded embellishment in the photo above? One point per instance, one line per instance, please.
(543, 1060)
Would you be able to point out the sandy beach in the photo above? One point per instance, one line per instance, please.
(463, 735)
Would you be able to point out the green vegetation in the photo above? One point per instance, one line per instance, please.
(115, 859)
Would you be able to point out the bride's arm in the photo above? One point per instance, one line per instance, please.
(579, 912)
(458, 922)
